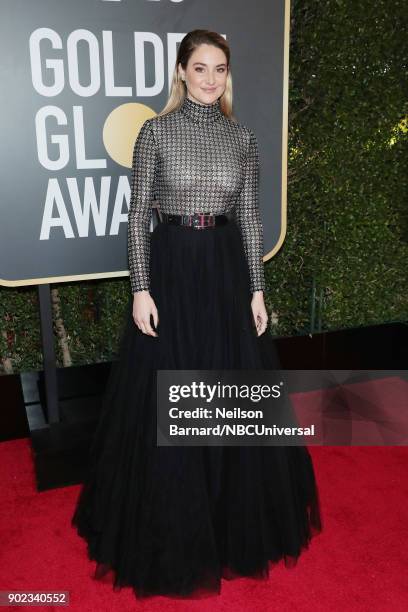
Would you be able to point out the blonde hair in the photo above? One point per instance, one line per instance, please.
(178, 90)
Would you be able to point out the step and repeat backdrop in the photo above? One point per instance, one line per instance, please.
(78, 79)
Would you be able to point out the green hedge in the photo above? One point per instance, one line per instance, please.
(345, 258)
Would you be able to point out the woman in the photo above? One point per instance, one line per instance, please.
(175, 520)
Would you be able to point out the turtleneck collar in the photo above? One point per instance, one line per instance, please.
(201, 113)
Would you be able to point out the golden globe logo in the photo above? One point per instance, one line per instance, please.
(61, 134)
(121, 129)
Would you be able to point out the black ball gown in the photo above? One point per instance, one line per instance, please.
(175, 520)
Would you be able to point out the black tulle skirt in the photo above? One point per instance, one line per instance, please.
(175, 520)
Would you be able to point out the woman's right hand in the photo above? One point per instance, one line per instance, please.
(143, 307)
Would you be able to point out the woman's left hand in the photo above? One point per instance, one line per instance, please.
(259, 312)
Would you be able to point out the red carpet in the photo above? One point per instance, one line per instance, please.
(365, 413)
(359, 561)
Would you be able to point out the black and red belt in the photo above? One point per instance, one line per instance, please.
(195, 220)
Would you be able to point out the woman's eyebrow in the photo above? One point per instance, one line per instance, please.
(203, 64)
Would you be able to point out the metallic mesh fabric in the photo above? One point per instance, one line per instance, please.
(194, 159)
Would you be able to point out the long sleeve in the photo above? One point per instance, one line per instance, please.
(139, 216)
(248, 217)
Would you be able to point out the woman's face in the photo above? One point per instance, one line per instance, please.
(206, 74)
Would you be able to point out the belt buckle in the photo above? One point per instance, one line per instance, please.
(203, 220)
(195, 220)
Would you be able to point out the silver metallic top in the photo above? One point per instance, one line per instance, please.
(194, 159)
